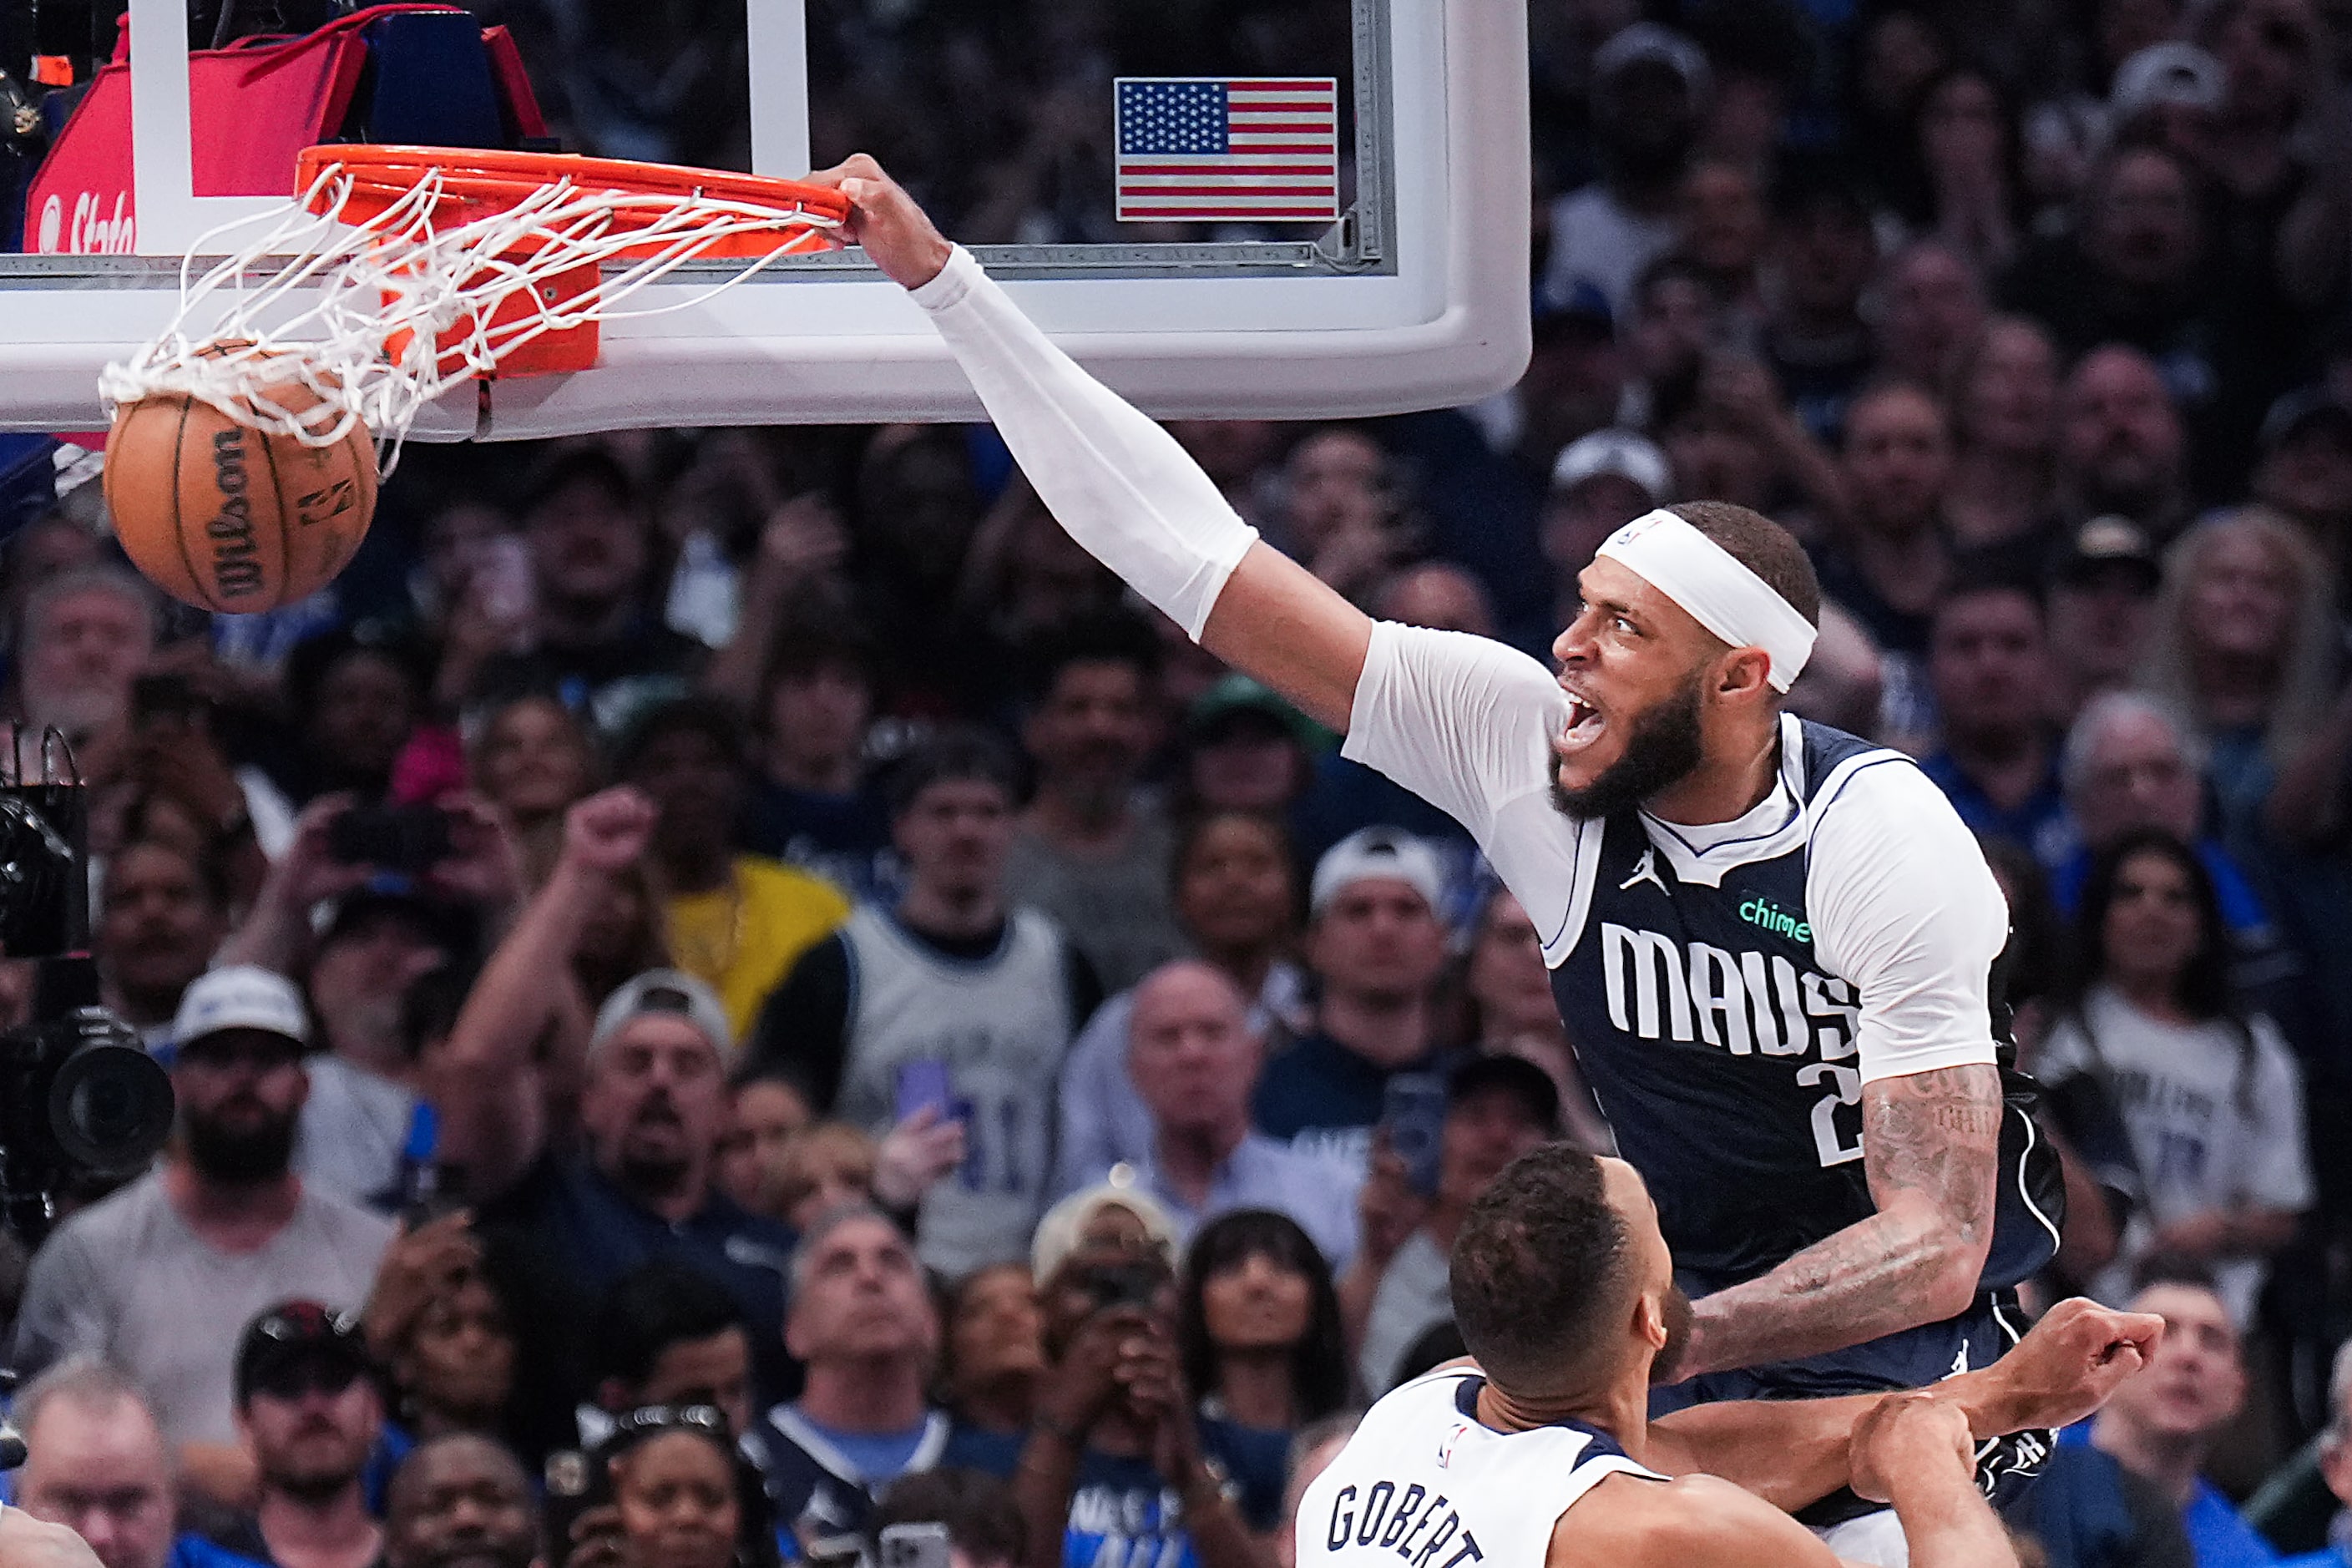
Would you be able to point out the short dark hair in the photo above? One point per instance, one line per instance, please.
(1108, 637)
(983, 1517)
(2167, 1268)
(657, 1304)
(583, 463)
(711, 716)
(1978, 572)
(1761, 545)
(963, 751)
(1538, 1264)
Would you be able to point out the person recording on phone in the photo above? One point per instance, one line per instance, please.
(1376, 946)
(1194, 1062)
(1489, 1112)
(961, 1014)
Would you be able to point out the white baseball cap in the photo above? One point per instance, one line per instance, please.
(1623, 453)
(1378, 852)
(1065, 1225)
(670, 992)
(240, 996)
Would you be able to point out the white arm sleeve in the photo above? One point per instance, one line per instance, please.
(2278, 1173)
(1463, 722)
(1117, 482)
(1905, 907)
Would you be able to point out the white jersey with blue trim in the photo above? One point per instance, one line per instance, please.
(1424, 1483)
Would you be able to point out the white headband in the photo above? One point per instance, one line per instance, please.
(1720, 592)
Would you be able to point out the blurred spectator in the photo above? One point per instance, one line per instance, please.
(2210, 1098)
(2003, 390)
(2129, 272)
(653, 1108)
(2140, 74)
(1967, 150)
(532, 760)
(1931, 311)
(1650, 91)
(1889, 565)
(1244, 748)
(1092, 849)
(1343, 513)
(823, 1166)
(1989, 664)
(1845, 683)
(309, 1412)
(1375, 946)
(160, 917)
(1025, 575)
(1238, 897)
(2133, 762)
(667, 1334)
(84, 634)
(735, 922)
(1257, 1323)
(2244, 637)
(445, 1324)
(161, 1278)
(768, 1111)
(1497, 1109)
(2100, 591)
(991, 1351)
(2305, 470)
(1436, 594)
(982, 1516)
(1824, 251)
(1115, 1461)
(1725, 230)
(2157, 1429)
(356, 700)
(2334, 1465)
(460, 1501)
(594, 636)
(680, 1497)
(2121, 448)
(952, 982)
(1898, 51)
(862, 1325)
(1675, 316)
(1513, 1012)
(810, 803)
(95, 1461)
(1602, 482)
(1195, 1061)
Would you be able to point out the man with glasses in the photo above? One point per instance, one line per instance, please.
(310, 1413)
(159, 1279)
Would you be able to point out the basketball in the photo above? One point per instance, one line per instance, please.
(224, 517)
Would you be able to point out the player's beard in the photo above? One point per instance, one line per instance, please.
(1662, 748)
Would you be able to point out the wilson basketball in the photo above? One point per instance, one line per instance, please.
(226, 517)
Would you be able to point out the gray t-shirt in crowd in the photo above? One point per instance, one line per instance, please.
(1119, 912)
(127, 1281)
(1415, 1294)
(353, 1130)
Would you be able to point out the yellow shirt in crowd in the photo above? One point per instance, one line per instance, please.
(744, 936)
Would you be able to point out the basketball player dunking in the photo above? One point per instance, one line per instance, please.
(1769, 941)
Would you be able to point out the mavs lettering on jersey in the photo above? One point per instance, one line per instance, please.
(1725, 1053)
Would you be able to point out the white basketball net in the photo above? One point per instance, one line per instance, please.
(328, 320)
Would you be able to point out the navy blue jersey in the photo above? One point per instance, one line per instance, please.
(1724, 1055)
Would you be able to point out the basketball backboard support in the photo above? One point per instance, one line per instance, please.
(1417, 296)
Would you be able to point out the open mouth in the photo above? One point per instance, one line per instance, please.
(1584, 723)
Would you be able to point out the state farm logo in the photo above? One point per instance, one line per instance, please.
(89, 233)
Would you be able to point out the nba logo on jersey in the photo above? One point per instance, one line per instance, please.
(1445, 1449)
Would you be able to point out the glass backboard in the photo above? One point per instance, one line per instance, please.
(1224, 207)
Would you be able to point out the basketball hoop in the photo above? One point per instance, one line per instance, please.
(412, 269)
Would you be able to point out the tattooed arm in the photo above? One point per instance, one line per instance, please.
(1930, 1146)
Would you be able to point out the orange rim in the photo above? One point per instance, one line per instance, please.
(477, 182)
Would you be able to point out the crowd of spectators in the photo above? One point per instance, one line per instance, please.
(861, 1025)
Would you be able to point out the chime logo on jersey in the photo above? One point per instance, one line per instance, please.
(1744, 1003)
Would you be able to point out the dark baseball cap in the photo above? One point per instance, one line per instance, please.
(296, 1338)
(1515, 1076)
(2104, 545)
(2300, 410)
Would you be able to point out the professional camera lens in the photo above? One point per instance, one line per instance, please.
(110, 1107)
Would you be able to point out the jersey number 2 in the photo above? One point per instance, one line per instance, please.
(1827, 1139)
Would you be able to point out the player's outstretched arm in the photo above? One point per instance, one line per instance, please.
(1792, 1452)
(1117, 483)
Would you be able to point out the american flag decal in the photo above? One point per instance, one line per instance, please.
(1250, 149)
